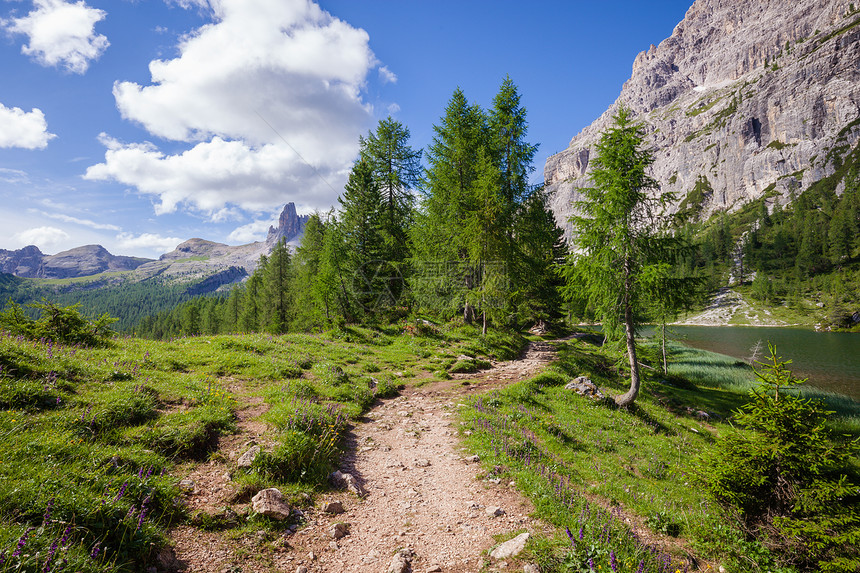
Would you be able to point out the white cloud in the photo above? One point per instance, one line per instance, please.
(13, 176)
(266, 81)
(149, 241)
(393, 109)
(61, 34)
(212, 174)
(387, 76)
(251, 232)
(23, 129)
(82, 222)
(42, 237)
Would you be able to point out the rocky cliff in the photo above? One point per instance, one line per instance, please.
(291, 226)
(746, 97)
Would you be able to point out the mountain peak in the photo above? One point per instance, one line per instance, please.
(290, 226)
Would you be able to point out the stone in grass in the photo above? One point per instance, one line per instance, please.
(584, 387)
(246, 459)
(270, 502)
(511, 547)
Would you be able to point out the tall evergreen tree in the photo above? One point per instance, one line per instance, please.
(613, 233)
(396, 170)
(444, 274)
(276, 290)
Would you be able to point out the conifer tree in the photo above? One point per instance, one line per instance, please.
(613, 234)
(444, 274)
(276, 290)
(395, 169)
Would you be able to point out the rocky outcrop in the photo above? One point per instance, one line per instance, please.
(88, 260)
(290, 226)
(747, 98)
(24, 262)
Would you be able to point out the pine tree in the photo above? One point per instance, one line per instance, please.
(613, 233)
(396, 170)
(252, 302)
(276, 290)
(444, 275)
(540, 249)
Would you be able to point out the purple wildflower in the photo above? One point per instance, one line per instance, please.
(96, 550)
(121, 491)
(22, 542)
(3, 557)
(612, 561)
(50, 556)
(641, 566)
(130, 512)
(569, 535)
(591, 563)
(66, 534)
(581, 533)
(47, 517)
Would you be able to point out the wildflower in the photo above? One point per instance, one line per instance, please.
(96, 550)
(47, 517)
(66, 534)
(612, 561)
(581, 533)
(3, 557)
(642, 567)
(591, 564)
(22, 542)
(121, 491)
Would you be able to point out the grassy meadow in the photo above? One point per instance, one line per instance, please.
(93, 437)
(96, 439)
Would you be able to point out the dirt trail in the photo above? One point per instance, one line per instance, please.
(421, 492)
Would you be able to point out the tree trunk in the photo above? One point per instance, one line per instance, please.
(627, 399)
(663, 344)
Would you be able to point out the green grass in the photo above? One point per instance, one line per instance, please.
(595, 469)
(102, 435)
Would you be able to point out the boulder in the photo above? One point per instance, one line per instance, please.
(246, 459)
(510, 548)
(270, 502)
(584, 387)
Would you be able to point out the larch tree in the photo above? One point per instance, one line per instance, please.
(614, 237)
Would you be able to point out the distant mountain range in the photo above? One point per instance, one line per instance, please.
(212, 264)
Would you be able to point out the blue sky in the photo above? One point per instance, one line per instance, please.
(138, 124)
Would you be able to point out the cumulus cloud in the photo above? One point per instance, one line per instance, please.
(42, 237)
(268, 95)
(61, 34)
(149, 241)
(19, 128)
(213, 173)
(251, 232)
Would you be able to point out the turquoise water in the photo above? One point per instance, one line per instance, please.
(831, 360)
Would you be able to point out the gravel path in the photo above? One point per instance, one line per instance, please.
(422, 493)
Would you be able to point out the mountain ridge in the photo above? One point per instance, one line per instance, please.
(192, 259)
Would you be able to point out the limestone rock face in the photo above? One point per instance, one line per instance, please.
(290, 226)
(760, 97)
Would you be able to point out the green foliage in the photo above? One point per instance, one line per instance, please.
(57, 323)
(785, 476)
(618, 241)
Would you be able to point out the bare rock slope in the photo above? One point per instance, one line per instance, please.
(746, 98)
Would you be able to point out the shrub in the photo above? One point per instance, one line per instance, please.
(785, 477)
(58, 323)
